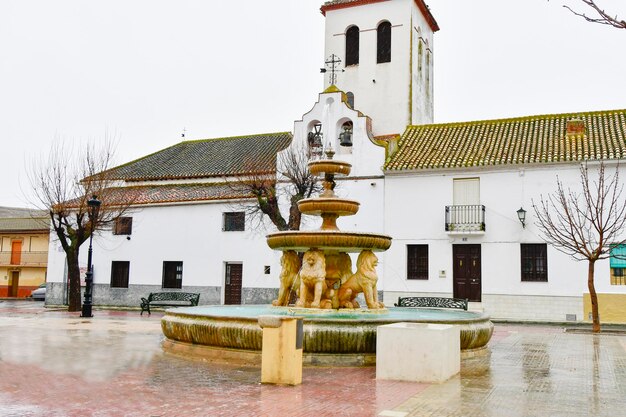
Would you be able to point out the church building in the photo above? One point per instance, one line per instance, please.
(456, 198)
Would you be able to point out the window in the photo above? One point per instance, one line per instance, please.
(350, 97)
(172, 274)
(119, 274)
(534, 262)
(416, 261)
(384, 43)
(123, 226)
(618, 264)
(266, 269)
(235, 221)
(352, 46)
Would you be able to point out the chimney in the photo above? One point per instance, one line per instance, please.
(575, 127)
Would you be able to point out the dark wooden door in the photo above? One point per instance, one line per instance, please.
(172, 274)
(466, 272)
(15, 284)
(232, 286)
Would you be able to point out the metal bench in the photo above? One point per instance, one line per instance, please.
(439, 302)
(169, 299)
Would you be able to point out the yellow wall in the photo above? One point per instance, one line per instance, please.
(612, 307)
(33, 262)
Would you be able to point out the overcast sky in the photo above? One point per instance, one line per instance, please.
(144, 70)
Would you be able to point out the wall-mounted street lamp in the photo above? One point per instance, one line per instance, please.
(94, 207)
(345, 137)
(521, 215)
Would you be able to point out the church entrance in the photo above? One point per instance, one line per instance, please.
(466, 272)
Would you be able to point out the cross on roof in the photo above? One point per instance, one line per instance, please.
(333, 64)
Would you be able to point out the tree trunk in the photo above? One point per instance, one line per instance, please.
(73, 277)
(594, 297)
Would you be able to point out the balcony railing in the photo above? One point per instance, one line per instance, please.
(9, 258)
(465, 218)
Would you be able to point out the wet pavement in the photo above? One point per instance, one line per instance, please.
(54, 363)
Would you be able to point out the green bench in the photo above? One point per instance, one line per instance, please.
(169, 299)
(438, 302)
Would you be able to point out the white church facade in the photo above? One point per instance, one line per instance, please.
(448, 194)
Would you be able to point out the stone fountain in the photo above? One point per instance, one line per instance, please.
(337, 331)
(324, 279)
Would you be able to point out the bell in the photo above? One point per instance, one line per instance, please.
(345, 138)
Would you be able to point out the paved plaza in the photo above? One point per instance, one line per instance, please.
(54, 363)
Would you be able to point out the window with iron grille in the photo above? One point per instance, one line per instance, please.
(352, 46)
(384, 43)
(235, 221)
(119, 274)
(123, 226)
(416, 261)
(534, 257)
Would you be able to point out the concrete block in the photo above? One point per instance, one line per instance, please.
(418, 352)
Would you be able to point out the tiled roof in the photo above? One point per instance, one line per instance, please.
(340, 4)
(173, 193)
(525, 140)
(208, 158)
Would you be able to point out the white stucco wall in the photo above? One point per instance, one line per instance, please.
(382, 91)
(415, 214)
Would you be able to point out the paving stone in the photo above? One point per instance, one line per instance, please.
(54, 363)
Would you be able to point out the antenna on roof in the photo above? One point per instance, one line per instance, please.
(183, 134)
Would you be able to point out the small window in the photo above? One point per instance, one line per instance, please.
(172, 274)
(534, 262)
(266, 269)
(417, 262)
(123, 226)
(350, 97)
(119, 274)
(618, 264)
(352, 46)
(235, 221)
(384, 43)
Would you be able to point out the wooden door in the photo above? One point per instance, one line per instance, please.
(16, 252)
(15, 283)
(232, 285)
(466, 272)
(172, 274)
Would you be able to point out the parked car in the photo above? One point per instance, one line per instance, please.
(39, 293)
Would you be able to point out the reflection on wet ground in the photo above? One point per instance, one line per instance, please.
(53, 363)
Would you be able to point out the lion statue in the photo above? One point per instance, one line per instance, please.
(290, 262)
(338, 271)
(364, 280)
(313, 280)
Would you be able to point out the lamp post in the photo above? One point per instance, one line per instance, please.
(94, 206)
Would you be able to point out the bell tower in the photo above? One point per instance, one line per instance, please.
(387, 61)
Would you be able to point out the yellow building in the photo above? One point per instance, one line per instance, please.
(24, 235)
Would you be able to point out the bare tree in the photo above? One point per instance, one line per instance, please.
(62, 183)
(585, 224)
(599, 15)
(292, 182)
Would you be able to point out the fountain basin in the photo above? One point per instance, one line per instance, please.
(344, 336)
(319, 205)
(328, 240)
(329, 166)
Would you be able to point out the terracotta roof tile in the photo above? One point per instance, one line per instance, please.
(524, 140)
(340, 4)
(208, 158)
(173, 193)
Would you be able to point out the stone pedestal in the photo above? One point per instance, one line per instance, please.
(418, 352)
(281, 356)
